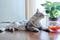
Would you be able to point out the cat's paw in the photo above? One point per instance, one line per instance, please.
(40, 28)
(10, 30)
(46, 30)
(33, 29)
(15, 29)
(1, 31)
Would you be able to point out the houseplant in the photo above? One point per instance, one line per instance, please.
(52, 9)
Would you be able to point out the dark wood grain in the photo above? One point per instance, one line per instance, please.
(25, 35)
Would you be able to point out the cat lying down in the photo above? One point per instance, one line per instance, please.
(32, 25)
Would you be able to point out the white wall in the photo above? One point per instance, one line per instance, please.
(12, 10)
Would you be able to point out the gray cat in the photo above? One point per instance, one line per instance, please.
(33, 24)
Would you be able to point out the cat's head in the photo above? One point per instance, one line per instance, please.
(39, 14)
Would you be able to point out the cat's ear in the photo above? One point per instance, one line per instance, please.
(37, 11)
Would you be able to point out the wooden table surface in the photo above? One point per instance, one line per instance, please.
(23, 35)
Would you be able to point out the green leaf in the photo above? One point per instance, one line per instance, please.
(55, 14)
(47, 4)
(54, 11)
(58, 7)
(47, 11)
(43, 4)
(51, 8)
(56, 3)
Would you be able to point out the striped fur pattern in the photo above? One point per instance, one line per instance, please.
(32, 25)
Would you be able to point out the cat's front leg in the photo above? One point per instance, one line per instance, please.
(43, 29)
(32, 29)
(46, 30)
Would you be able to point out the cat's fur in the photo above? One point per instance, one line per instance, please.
(33, 24)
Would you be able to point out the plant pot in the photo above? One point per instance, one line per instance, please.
(53, 24)
(53, 19)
